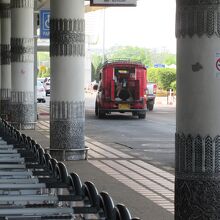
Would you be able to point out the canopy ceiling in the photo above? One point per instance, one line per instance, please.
(45, 4)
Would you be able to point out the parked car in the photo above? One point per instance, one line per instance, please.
(151, 95)
(40, 92)
(41, 80)
(47, 85)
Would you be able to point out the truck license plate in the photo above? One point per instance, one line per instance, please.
(124, 106)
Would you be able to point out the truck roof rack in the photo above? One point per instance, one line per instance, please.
(125, 61)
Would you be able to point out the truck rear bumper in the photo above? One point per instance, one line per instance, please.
(124, 110)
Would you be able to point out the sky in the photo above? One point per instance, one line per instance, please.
(150, 25)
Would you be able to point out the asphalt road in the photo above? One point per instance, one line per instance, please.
(145, 189)
(151, 139)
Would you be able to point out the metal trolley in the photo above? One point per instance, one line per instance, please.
(33, 185)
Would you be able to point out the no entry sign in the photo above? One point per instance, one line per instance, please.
(218, 64)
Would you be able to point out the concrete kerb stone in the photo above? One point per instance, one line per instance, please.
(166, 101)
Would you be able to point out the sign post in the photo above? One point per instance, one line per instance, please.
(45, 24)
(113, 3)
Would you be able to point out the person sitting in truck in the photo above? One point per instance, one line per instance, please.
(122, 85)
(118, 88)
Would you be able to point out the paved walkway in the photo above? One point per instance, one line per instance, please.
(146, 190)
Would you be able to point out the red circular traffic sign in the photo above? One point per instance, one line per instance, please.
(218, 64)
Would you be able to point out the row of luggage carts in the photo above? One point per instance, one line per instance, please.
(33, 185)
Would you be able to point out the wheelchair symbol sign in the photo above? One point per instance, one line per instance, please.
(44, 24)
(47, 22)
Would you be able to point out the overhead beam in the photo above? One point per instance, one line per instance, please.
(42, 3)
(46, 4)
(88, 8)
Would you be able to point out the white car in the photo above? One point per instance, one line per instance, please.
(40, 92)
(47, 85)
(41, 80)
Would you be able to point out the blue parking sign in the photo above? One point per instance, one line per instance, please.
(45, 24)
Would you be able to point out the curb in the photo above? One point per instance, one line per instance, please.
(44, 113)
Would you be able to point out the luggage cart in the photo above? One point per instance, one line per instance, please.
(33, 185)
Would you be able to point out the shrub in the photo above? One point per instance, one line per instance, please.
(173, 85)
(166, 77)
(162, 76)
(152, 75)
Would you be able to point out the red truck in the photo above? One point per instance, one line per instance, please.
(122, 88)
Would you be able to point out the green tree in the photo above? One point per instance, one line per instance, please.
(133, 53)
(147, 56)
(152, 75)
(43, 56)
(43, 72)
(96, 63)
(164, 77)
(173, 85)
(43, 59)
(169, 59)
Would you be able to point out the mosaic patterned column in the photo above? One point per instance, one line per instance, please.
(22, 64)
(5, 61)
(67, 51)
(197, 184)
(35, 59)
(1, 7)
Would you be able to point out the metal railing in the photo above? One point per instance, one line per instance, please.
(125, 61)
(33, 185)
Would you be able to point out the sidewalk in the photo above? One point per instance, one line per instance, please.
(166, 101)
(147, 191)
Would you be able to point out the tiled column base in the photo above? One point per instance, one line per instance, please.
(67, 130)
(5, 109)
(22, 116)
(197, 198)
(197, 183)
(68, 140)
(5, 103)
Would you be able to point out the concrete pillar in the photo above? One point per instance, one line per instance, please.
(5, 61)
(197, 191)
(67, 51)
(35, 59)
(22, 58)
(1, 6)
